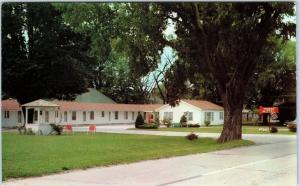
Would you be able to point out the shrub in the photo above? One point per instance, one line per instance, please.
(148, 126)
(192, 136)
(191, 125)
(292, 127)
(156, 120)
(167, 123)
(139, 121)
(273, 130)
(207, 123)
(29, 132)
(57, 128)
(21, 129)
(183, 120)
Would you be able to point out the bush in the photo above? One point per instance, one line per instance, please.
(167, 123)
(139, 121)
(57, 128)
(292, 127)
(273, 130)
(21, 129)
(207, 123)
(156, 120)
(183, 120)
(192, 136)
(29, 132)
(148, 126)
(191, 125)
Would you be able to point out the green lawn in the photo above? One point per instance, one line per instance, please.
(25, 155)
(218, 129)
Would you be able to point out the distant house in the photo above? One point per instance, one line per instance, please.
(78, 113)
(11, 114)
(196, 111)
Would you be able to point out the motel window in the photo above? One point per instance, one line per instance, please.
(19, 116)
(92, 115)
(125, 115)
(189, 116)
(209, 116)
(35, 115)
(102, 114)
(6, 114)
(47, 116)
(168, 115)
(221, 115)
(132, 115)
(73, 115)
(116, 115)
(84, 116)
(65, 116)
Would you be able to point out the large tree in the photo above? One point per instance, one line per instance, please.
(224, 42)
(107, 25)
(42, 57)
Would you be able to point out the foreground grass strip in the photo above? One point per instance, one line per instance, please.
(218, 129)
(25, 156)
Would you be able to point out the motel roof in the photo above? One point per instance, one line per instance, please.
(10, 105)
(70, 105)
(40, 103)
(205, 105)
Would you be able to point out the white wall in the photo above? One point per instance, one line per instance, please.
(198, 114)
(12, 121)
(179, 110)
(216, 113)
(98, 119)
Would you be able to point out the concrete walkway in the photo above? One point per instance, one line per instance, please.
(271, 162)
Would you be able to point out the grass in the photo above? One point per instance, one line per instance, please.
(30, 155)
(218, 129)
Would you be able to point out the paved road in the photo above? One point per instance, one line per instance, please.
(271, 162)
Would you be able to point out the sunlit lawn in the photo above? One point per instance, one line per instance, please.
(218, 129)
(25, 155)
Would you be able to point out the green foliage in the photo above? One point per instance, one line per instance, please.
(269, 82)
(156, 118)
(148, 126)
(166, 122)
(139, 121)
(183, 120)
(110, 27)
(207, 123)
(51, 60)
(57, 128)
(191, 125)
(21, 129)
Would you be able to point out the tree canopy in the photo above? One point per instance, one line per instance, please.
(42, 57)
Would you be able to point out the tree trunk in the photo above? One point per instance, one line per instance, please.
(232, 129)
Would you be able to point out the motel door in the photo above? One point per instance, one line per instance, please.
(109, 116)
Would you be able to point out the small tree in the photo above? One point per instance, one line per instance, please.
(156, 119)
(183, 120)
(139, 121)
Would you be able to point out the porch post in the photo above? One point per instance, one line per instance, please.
(38, 116)
(26, 116)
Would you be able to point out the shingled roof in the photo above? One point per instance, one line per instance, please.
(70, 105)
(10, 105)
(205, 105)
